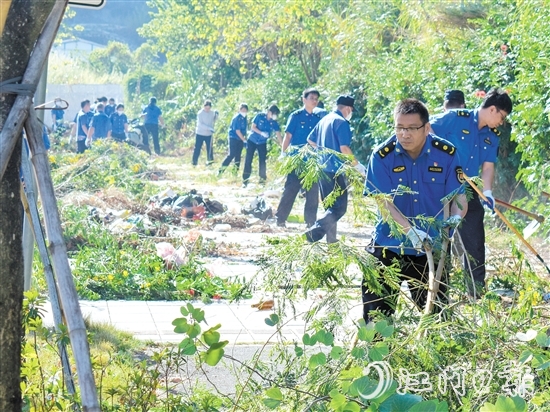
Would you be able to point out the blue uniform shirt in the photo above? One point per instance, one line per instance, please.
(238, 123)
(83, 119)
(299, 125)
(319, 112)
(101, 124)
(109, 110)
(263, 125)
(433, 175)
(474, 146)
(331, 132)
(118, 121)
(152, 114)
(58, 114)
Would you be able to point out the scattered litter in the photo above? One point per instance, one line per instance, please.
(264, 304)
(258, 208)
(171, 255)
(222, 227)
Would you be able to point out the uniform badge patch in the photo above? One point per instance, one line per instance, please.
(383, 152)
(460, 174)
(487, 140)
(496, 131)
(463, 113)
(465, 131)
(436, 169)
(398, 169)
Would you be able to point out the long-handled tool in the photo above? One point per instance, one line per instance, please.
(507, 222)
(532, 226)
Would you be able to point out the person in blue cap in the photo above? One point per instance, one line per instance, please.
(298, 127)
(415, 159)
(153, 118)
(453, 99)
(333, 132)
(237, 138)
(476, 137)
(263, 125)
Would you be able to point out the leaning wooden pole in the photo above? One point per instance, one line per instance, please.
(58, 251)
(11, 130)
(28, 197)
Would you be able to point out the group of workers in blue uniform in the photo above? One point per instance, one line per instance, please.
(419, 171)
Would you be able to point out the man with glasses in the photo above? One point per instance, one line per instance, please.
(475, 135)
(299, 126)
(416, 171)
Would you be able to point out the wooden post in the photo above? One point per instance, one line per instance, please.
(31, 212)
(58, 251)
(11, 130)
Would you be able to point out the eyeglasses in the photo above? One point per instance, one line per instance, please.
(399, 129)
(313, 98)
(502, 115)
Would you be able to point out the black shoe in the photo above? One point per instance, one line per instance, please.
(281, 224)
(262, 182)
(244, 185)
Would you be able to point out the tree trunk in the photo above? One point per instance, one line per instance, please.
(23, 25)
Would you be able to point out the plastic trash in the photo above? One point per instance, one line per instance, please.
(222, 227)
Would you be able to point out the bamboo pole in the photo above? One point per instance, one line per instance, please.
(11, 130)
(58, 251)
(29, 204)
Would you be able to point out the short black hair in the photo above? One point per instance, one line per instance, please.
(112, 99)
(119, 106)
(153, 100)
(102, 99)
(84, 103)
(207, 103)
(498, 98)
(274, 109)
(309, 91)
(100, 106)
(243, 106)
(412, 106)
(320, 105)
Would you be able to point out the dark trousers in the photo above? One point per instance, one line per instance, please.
(153, 130)
(262, 156)
(235, 152)
(292, 188)
(326, 225)
(472, 232)
(415, 270)
(199, 140)
(119, 136)
(81, 146)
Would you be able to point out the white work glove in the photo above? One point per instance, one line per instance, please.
(453, 221)
(265, 134)
(490, 203)
(361, 169)
(417, 237)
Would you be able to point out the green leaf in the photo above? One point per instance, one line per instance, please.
(503, 403)
(181, 325)
(317, 360)
(543, 340)
(336, 352)
(363, 385)
(324, 337)
(211, 336)
(214, 354)
(378, 351)
(198, 315)
(271, 403)
(430, 406)
(352, 407)
(298, 350)
(525, 356)
(399, 403)
(309, 340)
(272, 320)
(366, 335)
(184, 311)
(190, 308)
(358, 353)
(274, 393)
(194, 330)
(337, 399)
(188, 347)
(384, 329)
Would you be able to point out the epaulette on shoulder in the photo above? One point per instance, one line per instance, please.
(496, 131)
(443, 145)
(387, 149)
(463, 113)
